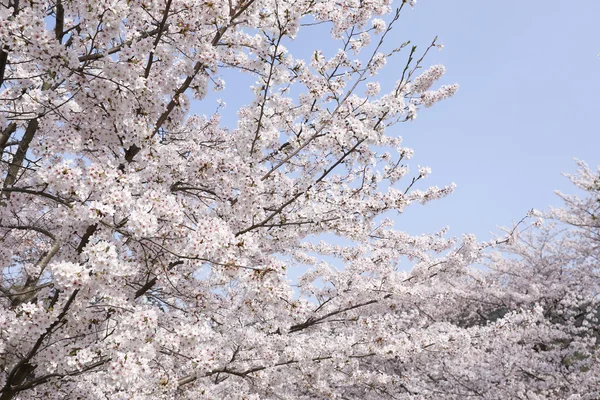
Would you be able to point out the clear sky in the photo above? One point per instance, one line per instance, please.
(528, 103)
(529, 76)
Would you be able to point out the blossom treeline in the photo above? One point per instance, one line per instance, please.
(145, 251)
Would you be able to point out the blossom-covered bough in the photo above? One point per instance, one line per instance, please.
(145, 250)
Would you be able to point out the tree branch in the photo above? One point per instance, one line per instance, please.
(19, 156)
(297, 195)
(148, 285)
(161, 29)
(23, 368)
(5, 135)
(60, 21)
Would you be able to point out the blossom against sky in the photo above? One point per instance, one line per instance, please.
(529, 76)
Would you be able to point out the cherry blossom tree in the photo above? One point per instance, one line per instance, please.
(527, 325)
(553, 273)
(146, 250)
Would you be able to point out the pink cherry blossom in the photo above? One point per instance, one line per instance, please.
(153, 251)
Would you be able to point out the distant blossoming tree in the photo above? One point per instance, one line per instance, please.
(145, 251)
(526, 326)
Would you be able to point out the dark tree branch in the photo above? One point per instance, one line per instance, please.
(5, 135)
(30, 228)
(313, 321)
(60, 21)
(148, 285)
(43, 379)
(3, 62)
(37, 193)
(19, 156)
(265, 94)
(23, 368)
(161, 29)
(86, 237)
(297, 195)
(116, 49)
(197, 68)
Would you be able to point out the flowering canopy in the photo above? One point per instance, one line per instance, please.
(145, 251)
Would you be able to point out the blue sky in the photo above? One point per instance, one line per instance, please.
(529, 76)
(528, 103)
